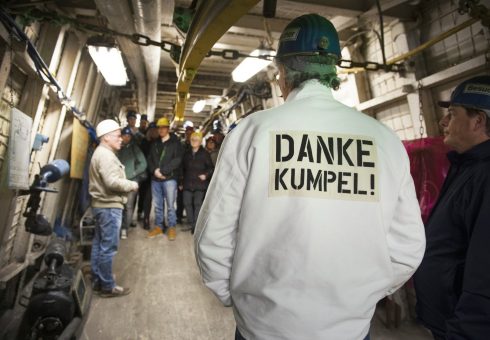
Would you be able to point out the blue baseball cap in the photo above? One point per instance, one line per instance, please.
(126, 131)
(130, 114)
(472, 93)
(152, 125)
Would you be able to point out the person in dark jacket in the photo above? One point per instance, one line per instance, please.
(144, 201)
(186, 145)
(197, 168)
(131, 118)
(212, 148)
(135, 167)
(144, 124)
(164, 164)
(453, 281)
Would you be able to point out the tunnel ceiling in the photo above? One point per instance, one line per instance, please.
(214, 74)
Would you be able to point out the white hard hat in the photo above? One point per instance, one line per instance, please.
(106, 126)
(188, 123)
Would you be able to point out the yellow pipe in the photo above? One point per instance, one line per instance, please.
(419, 48)
(213, 18)
(432, 41)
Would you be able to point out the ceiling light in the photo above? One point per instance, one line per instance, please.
(109, 62)
(199, 106)
(250, 65)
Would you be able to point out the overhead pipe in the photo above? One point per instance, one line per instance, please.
(120, 19)
(419, 48)
(148, 20)
(212, 19)
(433, 41)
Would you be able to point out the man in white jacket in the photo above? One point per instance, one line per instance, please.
(311, 216)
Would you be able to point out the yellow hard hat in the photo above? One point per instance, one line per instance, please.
(197, 134)
(163, 122)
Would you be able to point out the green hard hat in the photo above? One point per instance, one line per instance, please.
(309, 34)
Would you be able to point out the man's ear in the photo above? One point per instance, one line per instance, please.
(481, 121)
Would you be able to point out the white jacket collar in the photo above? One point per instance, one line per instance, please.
(310, 88)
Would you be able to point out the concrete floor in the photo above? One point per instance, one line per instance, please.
(169, 302)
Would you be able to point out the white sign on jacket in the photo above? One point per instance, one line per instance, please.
(310, 219)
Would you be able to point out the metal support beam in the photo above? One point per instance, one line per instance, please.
(212, 20)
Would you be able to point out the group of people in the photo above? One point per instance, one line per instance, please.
(312, 216)
(173, 174)
(135, 169)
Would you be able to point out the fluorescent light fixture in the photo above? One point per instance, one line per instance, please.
(250, 66)
(199, 106)
(110, 64)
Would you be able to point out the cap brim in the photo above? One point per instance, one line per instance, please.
(445, 104)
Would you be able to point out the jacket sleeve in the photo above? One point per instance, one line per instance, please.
(111, 176)
(152, 158)
(174, 165)
(209, 165)
(140, 164)
(217, 224)
(406, 236)
(471, 316)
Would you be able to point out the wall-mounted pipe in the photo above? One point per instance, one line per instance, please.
(432, 41)
(419, 48)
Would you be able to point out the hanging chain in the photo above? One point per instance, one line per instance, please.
(11, 81)
(175, 49)
(421, 112)
(371, 66)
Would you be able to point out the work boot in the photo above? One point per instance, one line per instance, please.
(115, 292)
(96, 288)
(155, 232)
(186, 227)
(171, 234)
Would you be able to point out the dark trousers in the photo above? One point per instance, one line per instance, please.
(143, 188)
(192, 204)
(180, 205)
(238, 336)
(144, 201)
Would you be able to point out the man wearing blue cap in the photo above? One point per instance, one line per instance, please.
(135, 167)
(144, 123)
(311, 215)
(131, 118)
(453, 281)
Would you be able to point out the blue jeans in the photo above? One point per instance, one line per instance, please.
(164, 194)
(104, 245)
(239, 336)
